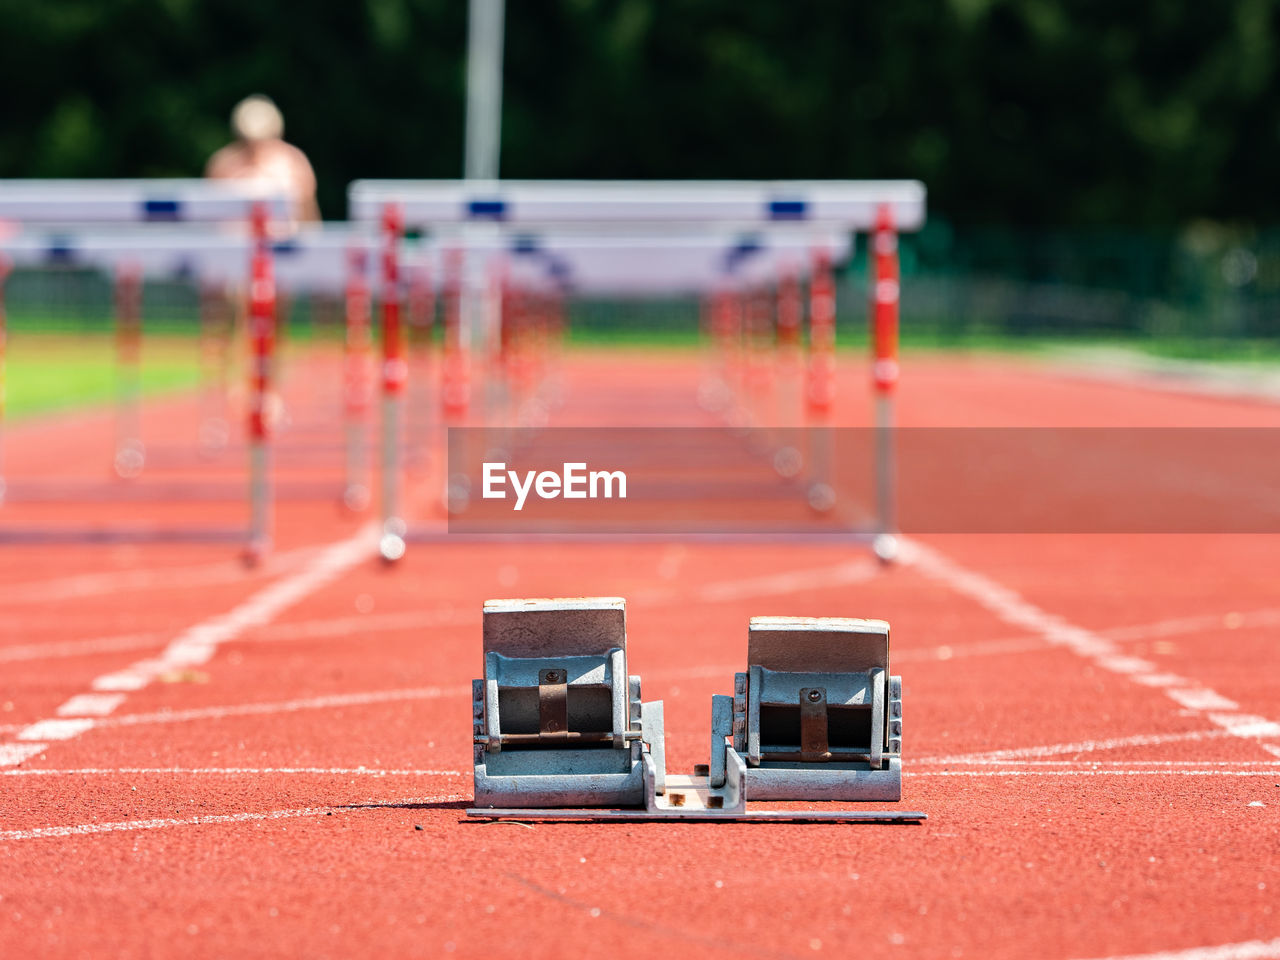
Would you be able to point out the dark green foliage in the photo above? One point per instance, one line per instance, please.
(1125, 112)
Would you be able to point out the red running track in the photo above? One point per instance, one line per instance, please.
(1093, 726)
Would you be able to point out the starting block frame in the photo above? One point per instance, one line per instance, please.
(538, 746)
(561, 732)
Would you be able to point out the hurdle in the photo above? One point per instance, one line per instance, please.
(178, 230)
(67, 203)
(538, 267)
(880, 208)
(599, 264)
(46, 202)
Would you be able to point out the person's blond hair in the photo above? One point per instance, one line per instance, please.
(257, 117)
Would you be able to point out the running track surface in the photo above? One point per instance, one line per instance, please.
(200, 760)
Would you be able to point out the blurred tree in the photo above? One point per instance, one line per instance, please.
(1139, 112)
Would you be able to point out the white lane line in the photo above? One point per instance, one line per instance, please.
(327, 702)
(1081, 746)
(12, 754)
(357, 626)
(91, 705)
(723, 592)
(354, 628)
(1158, 679)
(88, 829)
(338, 700)
(1248, 950)
(229, 772)
(1081, 764)
(1202, 699)
(288, 706)
(197, 644)
(791, 581)
(1232, 620)
(101, 584)
(56, 729)
(1246, 725)
(58, 650)
(771, 584)
(1146, 772)
(983, 648)
(1014, 609)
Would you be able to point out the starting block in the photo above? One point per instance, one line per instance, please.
(561, 732)
(558, 720)
(816, 716)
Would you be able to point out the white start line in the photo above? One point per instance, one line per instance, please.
(124, 826)
(326, 702)
(1081, 746)
(192, 648)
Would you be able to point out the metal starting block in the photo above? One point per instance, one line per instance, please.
(561, 732)
(817, 715)
(558, 721)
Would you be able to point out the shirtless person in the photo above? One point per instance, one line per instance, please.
(260, 153)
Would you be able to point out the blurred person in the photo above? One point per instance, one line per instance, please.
(259, 152)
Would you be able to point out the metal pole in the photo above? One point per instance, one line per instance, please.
(484, 89)
(482, 162)
(262, 335)
(885, 290)
(394, 375)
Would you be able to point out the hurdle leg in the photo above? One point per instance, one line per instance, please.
(788, 460)
(261, 322)
(821, 384)
(129, 452)
(422, 309)
(885, 293)
(391, 544)
(455, 382)
(358, 385)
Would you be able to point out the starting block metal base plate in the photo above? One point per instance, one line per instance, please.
(693, 798)
(694, 813)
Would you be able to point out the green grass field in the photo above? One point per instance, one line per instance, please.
(47, 372)
(58, 371)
